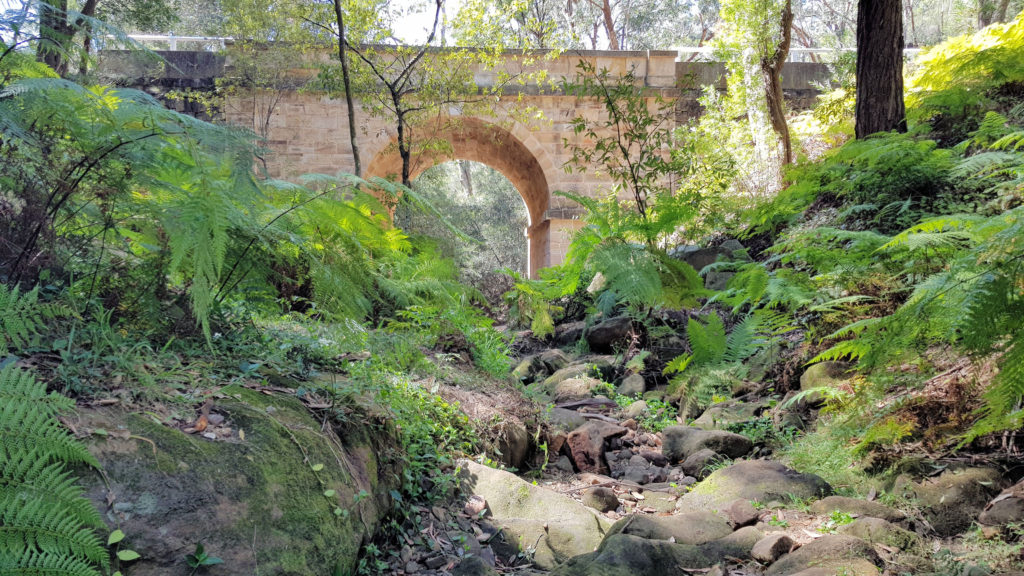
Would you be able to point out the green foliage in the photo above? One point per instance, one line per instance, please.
(958, 78)
(22, 316)
(46, 524)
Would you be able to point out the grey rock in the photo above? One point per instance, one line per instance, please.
(832, 552)
(632, 385)
(856, 506)
(1006, 508)
(761, 480)
(772, 547)
(679, 442)
(604, 336)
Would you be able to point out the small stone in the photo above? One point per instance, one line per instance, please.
(742, 513)
(215, 419)
(474, 506)
(601, 498)
(435, 562)
(209, 436)
(655, 458)
(439, 513)
(630, 423)
(412, 567)
(772, 547)
(563, 464)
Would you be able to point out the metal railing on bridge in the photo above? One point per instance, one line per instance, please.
(176, 43)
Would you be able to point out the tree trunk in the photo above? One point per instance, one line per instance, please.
(986, 12)
(1001, 11)
(346, 81)
(879, 106)
(609, 25)
(771, 73)
(54, 35)
(467, 177)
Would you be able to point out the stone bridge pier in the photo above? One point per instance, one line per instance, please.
(308, 132)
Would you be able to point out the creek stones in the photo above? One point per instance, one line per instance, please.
(473, 566)
(828, 555)
(605, 335)
(558, 526)
(569, 333)
(679, 442)
(1006, 508)
(513, 443)
(690, 528)
(564, 419)
(586, 445)
(742, 513)
(857, 507)
(762, 480)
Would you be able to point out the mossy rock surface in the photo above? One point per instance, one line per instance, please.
(627, 555)
(856, 506)
(829, 554)
(761, 480)
(256, 503)
(691, 528)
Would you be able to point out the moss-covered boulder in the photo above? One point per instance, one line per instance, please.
(762, 480)
(878, 531)
(268, 491)
(628, 555)
(857, 507)
(691, 528)
(830, 554)
(679, 442)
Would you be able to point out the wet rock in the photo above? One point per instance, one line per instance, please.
(601, 498)
(878, 531)
(1006, 508)
(761, 480)
(857, 507)
(690, 528)
(529, 515)
(699, 463)
(830, 553)
(586, 445)
(632, 385)
(604, 336)
(741, 513)
(679, 442)
(772, 547)
(954, 499)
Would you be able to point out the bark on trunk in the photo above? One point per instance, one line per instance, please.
(54, 35)
(609, 25)
(879, 106)
(346, 81)
(771, 73)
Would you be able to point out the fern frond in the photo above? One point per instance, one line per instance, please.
(22, 315)
(708, 342)
(743, 340)
(838, 303)
(46, 525)
(845, 350)
(1003, 400)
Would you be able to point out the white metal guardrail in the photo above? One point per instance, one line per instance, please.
(175, 43)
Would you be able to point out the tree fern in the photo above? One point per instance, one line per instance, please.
(46, 525)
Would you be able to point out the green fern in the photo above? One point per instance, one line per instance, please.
(46, 525)
(22, 315)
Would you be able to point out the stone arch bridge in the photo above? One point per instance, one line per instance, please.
(307, 132)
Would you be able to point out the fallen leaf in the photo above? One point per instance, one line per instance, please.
(241, 435)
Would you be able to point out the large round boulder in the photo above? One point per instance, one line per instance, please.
(765, 481)
(830, 554)
(679, 442)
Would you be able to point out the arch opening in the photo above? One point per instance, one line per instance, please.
(484, 205)
(475, 140)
